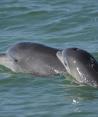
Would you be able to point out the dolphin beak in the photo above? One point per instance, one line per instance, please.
(6, 61)
(60, 57)
(3, 58)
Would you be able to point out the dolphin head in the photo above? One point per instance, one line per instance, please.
(16, 58)
(80, 64)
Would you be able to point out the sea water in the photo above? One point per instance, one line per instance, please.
(56, 23)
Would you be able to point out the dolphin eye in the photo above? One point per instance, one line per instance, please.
(93, 63)
(16, 60)
(65, 63)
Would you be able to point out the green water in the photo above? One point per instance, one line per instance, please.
(57, 23)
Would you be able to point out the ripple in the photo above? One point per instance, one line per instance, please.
(56, 23)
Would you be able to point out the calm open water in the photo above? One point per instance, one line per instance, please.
(57, 23)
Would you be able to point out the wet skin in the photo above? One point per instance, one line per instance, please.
(35, 58)
(81, 65)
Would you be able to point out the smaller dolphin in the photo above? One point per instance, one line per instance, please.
(35, 58)
(81, 65)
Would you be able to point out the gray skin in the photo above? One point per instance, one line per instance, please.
(81, 65)
(28, 57)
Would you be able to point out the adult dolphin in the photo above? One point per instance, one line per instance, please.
(81, 65)
(35, 58)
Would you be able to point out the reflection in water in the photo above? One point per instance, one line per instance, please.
(79, 96)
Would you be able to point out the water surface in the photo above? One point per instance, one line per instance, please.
(56, 23)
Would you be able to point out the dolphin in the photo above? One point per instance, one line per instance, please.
(35, 58)
(81, 65)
